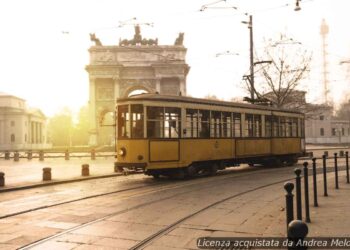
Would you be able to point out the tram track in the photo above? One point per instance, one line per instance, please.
(160, 233)
(177, 185)
(146, 242)
(147, 185)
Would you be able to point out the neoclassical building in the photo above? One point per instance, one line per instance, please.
(21, 128)
(134, 65)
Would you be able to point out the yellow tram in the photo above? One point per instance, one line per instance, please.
(183, 136)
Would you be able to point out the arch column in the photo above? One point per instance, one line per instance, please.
(158, 84)
(182, 85)
(92, 112)
(116, 88)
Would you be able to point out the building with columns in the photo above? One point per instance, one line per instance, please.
(21, 128)
(121, 70)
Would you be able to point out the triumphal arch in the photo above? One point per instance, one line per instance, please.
(121, 70)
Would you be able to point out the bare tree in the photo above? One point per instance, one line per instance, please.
(343, 112)
(290, 64)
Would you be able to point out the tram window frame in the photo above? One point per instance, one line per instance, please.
(275, 126)
(288, 127)
(215, 124)
(123, 122)
(191, 123)
(257, 126)
(203, 123)
(253, 125)
(168, 120)
(137, 118)
(282, 126)
(172, 122)
(237, 126)
(226, 118)
(268, 125)
(302, 127)
(155, 115)
(249, 125)
(294, 127)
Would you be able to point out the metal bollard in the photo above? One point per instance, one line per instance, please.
(93, 154)
(289, 186)
(16, 156)
(306, 192)
(341, 153)
(314, 175)
(325, 153)
(7, 155)
(347, 166)
(46, 174)
(29, 155)
(336, 170)
(297, 171)
(85, 170)
(324, 164)
(41, 155)
(66, 155)
(2, 179)
(297, 231)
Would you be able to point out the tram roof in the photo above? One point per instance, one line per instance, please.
(186, 99)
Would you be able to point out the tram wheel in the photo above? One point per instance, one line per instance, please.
(156, 176)
(179, 174)
(213, 169)
(292, 161)
(191, 171)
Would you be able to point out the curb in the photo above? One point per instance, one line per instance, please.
(51, 183)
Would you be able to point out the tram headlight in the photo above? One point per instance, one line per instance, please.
(122, 152)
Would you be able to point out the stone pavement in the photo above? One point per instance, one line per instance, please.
(262, 214)
(258, 213)
(28, 172)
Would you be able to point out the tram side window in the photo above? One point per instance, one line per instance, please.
(257, 125)
(172, 123)
(191, 129)
(282, 126)
(275, 126)
(123, 121)
(215, 124)
(294, 127)
(226, 124)
(237, 125)
(137, 121)
(288, 127)
(302, 126)
(253, 125)
(155, 122)
(268, 126)
(249, 122)
(203, 123)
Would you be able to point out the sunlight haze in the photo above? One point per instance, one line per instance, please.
(44, 45)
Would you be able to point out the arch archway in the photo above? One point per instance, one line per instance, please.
(135, 90)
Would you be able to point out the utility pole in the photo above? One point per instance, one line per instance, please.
(250, 27)
(251, 52)
(324, 32)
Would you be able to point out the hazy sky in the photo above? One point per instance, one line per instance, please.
(44, 44)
